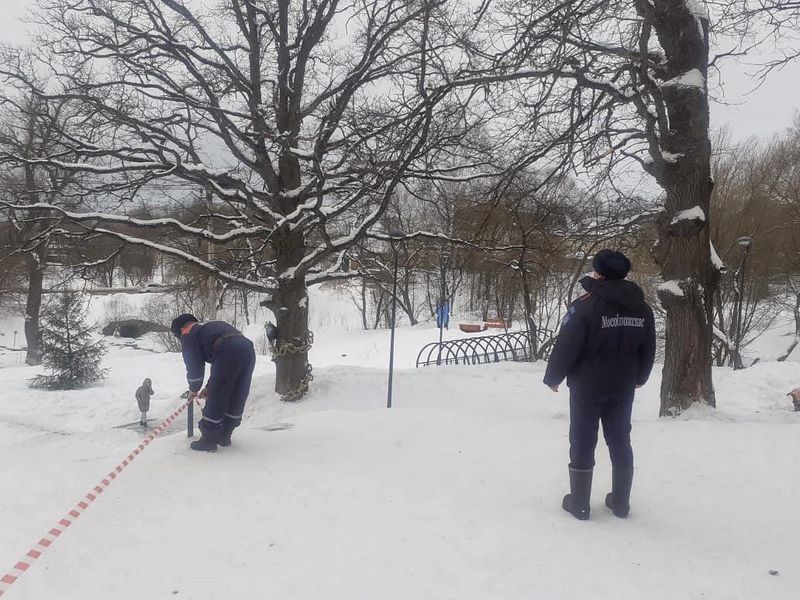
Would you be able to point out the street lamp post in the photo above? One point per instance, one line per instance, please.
(395, 236)
(745, 243)
(445, 256)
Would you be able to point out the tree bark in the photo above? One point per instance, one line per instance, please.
(363, 307)
(208, 286)
(290, 306)
(291, 319)
(408, 306)
(487, 295)
(246, 306)
(291, 301)
(381, 314)
(720, 354)
(33, 307)
(683, 250)
(530, 325)
(796, 340)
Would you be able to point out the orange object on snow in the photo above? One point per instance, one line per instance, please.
(472, 327)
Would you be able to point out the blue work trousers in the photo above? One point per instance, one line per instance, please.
(586, 413)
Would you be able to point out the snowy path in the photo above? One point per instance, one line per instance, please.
(455, 493)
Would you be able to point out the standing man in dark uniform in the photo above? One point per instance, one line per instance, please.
(605, 350)
(232, 359)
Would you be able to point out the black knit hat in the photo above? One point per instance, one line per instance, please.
(180, 322)
(611, 264)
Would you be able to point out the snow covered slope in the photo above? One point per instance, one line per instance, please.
(454, 493)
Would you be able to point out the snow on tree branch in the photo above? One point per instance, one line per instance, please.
(169, 223)
(691, 79)
(255, 285)
(690, 214)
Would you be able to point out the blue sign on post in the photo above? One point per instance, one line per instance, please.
(443, 315)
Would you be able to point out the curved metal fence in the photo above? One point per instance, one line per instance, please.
(514, 346)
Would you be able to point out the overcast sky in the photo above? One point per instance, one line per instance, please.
(763, 112)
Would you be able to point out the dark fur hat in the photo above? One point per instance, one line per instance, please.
(611, 264)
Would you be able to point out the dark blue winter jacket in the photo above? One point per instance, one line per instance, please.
(198, 349)
(607, 343)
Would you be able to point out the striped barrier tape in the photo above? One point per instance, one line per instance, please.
(44, 543)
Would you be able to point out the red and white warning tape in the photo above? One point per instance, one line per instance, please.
(34, 553)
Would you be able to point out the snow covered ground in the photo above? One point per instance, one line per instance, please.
(454, 493)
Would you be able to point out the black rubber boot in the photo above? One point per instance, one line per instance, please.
(207, 443)
(577, 501)
(225, 437)
(619, 500)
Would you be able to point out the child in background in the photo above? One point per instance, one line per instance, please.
(143, 394)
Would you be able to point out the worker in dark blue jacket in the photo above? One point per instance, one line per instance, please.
(232, 360)
(605, 350)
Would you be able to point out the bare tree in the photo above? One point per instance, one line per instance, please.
(304, 135)
(651, 57)
(771, 21)
(30, 131)
(672, 101)
(756, 195)
(793, 303)
(301, 119)
(307, 152)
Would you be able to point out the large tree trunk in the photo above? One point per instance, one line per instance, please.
(290, 304)
(291, 359)
(33, 307)
(683, 250)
